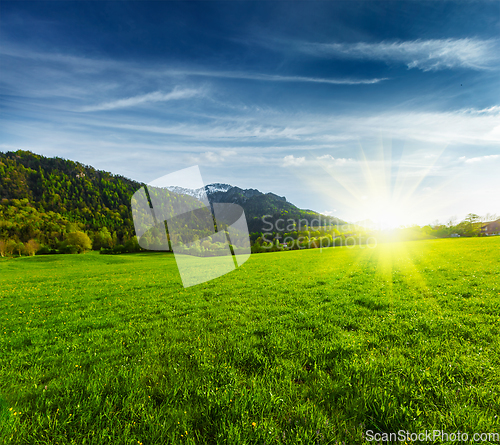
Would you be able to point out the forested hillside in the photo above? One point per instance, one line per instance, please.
(46, 199)
(77, 192)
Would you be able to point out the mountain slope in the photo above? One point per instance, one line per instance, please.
(91, 199)
(81, 193)
(258, 205)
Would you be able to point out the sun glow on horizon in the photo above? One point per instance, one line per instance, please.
(385, 191)
(385, 214)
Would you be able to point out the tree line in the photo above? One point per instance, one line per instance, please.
(312, 237)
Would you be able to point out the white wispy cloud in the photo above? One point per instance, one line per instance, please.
(211, 157)
(427, 55)
(291, 160)
(495, 110)
(156, 96)
(275, 77)
(79, 65)
(329, 159)
(329, 212)
(479, 159)
(290, 131)
(215, 130)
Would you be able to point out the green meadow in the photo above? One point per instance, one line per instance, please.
(313, 347)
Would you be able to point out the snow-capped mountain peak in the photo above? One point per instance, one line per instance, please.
(201, 192)
(217, 187)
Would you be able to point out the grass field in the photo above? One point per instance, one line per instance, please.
(294, 347)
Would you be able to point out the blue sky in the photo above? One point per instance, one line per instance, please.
(381, 110)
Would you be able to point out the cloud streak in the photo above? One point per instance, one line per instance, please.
(88, 66)
(156, 96)
(277, 78)
(313, 130)
(426, 55)
(479, 159)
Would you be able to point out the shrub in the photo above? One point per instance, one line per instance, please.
(80, 240)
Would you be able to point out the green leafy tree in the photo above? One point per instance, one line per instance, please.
(20, 248)
(11, 246)
(31, 247)
(145, 242)
(80, 240)
(132, 245)
(114, 239)
(103, 239)
(472, 218)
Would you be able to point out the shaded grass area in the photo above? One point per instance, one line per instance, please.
(294, 347)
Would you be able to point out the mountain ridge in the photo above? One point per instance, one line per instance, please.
(219, 192)
(93, 199)
(254, 202)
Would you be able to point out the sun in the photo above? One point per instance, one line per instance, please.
(386, 214)
(386, 190)
(383, 212)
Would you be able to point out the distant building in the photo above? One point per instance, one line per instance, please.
(491, 228)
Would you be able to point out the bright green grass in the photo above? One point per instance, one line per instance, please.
(294, 347)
